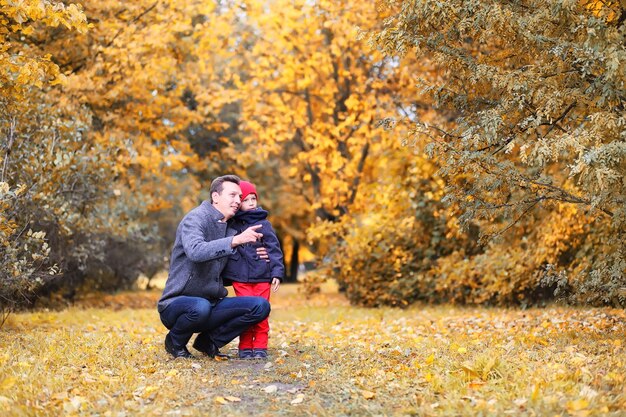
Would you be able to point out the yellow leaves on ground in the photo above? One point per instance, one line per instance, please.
(328, 360)
(226, 400)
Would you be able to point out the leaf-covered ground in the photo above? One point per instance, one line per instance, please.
(327, 358)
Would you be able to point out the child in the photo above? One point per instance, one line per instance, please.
(251, 275)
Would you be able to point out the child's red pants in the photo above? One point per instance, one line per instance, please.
(256, 336)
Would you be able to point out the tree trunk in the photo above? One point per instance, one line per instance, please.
(294, 263)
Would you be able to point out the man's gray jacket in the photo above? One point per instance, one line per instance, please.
(201, 250)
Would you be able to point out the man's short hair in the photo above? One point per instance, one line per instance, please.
(217, 186)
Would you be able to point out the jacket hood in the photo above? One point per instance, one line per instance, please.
(251, 216)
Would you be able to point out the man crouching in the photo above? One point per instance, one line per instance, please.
(194, 298)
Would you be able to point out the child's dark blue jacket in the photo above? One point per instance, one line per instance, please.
(244, 265)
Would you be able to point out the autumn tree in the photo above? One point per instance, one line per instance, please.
(39, 147)
(139, 75)
(314, 102)
(100, 104)
(535, 150)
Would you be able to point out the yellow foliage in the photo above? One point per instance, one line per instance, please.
(314, 101)
(609, 10)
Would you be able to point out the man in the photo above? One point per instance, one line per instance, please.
(194, 299)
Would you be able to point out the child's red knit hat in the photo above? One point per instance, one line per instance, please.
(246, 189)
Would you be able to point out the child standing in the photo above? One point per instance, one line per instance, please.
(251, 275)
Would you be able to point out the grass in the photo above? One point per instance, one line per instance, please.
(327, 358)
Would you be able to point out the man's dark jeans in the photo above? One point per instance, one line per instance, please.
(221, 321)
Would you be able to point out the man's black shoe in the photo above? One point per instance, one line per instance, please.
(206, 346)
(174, 351)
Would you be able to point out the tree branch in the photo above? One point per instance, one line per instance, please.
(361, 165)
(561, 117)
(514, 222)
(135, 19)
(9, 146)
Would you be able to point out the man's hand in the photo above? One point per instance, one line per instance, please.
(247, 236)
(275, 284)
(261, 253)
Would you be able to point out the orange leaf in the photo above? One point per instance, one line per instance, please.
(368, 395)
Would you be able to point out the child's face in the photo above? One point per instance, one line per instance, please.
(249, 203)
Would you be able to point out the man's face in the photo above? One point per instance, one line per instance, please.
(228, 201)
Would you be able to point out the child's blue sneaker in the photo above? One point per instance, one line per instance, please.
(246, 354)
(260, 353)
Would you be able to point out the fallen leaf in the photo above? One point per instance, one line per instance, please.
(270, 389)
(488, 367)
(149, 390)
(59, 396)
(588, 392)
(74, 404)
(472, 400)
(577, 405)
(476, 384)
(535, 395)
(368, 395)
(220, 400)
(233, 399)
(298, 400)
(520, 402)
(8, 382)
(469, 371)
(88, 377)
